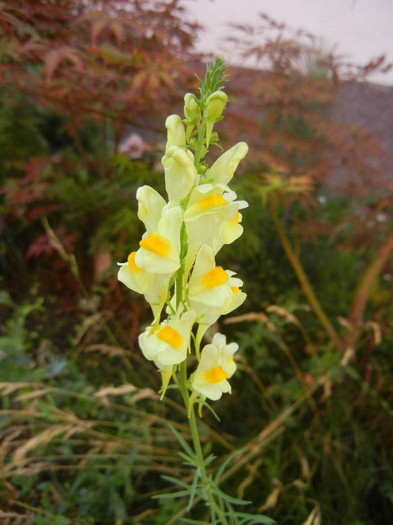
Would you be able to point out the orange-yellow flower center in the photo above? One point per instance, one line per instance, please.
(131, 264)
(215, 277)
(156, 244)
(235, 220)
(215, 375)
(210, 202)
(170, 335)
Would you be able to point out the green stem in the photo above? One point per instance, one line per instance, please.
(199, 146)
(206, 482)
(188, 403)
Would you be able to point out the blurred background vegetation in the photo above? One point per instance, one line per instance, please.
(85, 89)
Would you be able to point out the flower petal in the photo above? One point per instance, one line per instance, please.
(224, 167)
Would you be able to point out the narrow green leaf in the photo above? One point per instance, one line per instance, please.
(224, 465)
(230, 499)
(173, 495)
(211, 410)
(182, 441)
(193, 490)
(254, 519)
(209, 459)
(176, 481)
(193, 461)
(197, 522)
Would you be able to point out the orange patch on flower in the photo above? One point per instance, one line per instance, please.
(131, 264)
(156, 244)
(214, 278)
(170, 335)
(215, 375)
(235, 220)
(210, 202)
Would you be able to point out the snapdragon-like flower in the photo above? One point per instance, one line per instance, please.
(159, 251)
(209, 284)
(167, 343)
(153, 286)
(215, 368)
(211, 217)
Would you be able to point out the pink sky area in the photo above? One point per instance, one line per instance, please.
(358, 30)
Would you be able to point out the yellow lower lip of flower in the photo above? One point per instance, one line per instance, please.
(215, 277)
(210, 202)
(235, 290)
(156, 244)
(131, 264)
(215, 375)
(170, 335)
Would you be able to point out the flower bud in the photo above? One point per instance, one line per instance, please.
(215, 105)
(192, 112)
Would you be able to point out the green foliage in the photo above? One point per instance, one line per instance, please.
(17, 340)
(84, 439)
(197, 490)
(20, 134)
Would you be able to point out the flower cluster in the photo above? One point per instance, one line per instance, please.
(175, 263)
